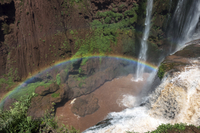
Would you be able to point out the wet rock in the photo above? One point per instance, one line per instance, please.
(85, 105)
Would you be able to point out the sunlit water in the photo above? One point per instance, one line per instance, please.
(144, 45)
(184, 24)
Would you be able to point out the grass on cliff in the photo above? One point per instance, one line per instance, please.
(16, 120)
(8, 79)
(105, 31)
(29, 89)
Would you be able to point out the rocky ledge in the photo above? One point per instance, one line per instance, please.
(180, 59)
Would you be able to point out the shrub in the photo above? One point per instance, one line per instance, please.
(161, 71)
(107, 20)
(5, 28)
(16, 120)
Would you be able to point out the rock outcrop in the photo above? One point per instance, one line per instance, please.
(180, 59)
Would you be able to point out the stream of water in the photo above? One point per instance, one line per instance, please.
(144, 45)
(183, 26)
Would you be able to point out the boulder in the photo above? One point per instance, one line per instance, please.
(42, 90)
(43, 103)
(85, 105)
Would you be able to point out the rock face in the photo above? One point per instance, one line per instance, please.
(42, 90)
(180, 59)
(35, 34)
(72, 80)
(43, 102)
(85, 105)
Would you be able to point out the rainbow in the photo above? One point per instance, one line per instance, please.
(148, 65)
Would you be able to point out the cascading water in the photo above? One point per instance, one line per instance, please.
(143, 49)
(183, 26)
(177, 98)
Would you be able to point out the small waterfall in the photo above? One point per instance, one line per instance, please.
(143, 49)
(184, 23)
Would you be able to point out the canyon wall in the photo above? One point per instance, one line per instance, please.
(35, 34)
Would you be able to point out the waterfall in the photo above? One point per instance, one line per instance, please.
(175, 100)
(143, 49)
(184, 23)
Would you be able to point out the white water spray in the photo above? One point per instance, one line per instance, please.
(184, 24)
(176, 100)
(143, 49)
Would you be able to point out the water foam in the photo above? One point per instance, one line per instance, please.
(127, 101)
(175, 100)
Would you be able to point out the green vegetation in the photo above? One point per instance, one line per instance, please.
(84, 61)
(161, 71)
(29, 89)
(55, 95)
(105, 32)
(16, 119)
(80, 84)
(71, 32)
(165, 128)
(58, 80)
(6, 28)
(164, 67)
(80, 70)
(8, 79)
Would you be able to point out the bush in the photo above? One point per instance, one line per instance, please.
(161, 70)
(6, 28)
(16, 120)
(107, 20)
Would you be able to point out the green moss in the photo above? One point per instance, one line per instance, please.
(84, 61)
(29, 89)
(80, 84)
(58, 80)
(55, 95)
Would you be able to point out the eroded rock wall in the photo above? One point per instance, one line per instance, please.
(35, 34)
